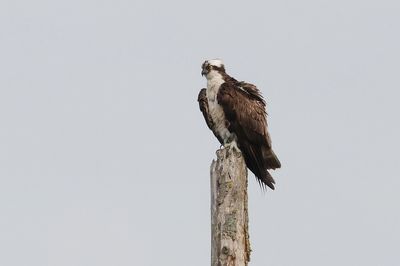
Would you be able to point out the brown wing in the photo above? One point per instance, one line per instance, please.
(244, 108)
(203, 104)
(253, 91)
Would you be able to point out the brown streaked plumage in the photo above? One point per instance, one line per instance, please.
(235, 112)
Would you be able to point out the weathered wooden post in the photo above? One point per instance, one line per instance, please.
(230, 243)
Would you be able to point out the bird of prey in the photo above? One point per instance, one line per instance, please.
(235, 113)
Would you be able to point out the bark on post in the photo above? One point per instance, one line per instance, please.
(230, 243)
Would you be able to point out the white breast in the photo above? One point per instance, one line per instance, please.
(216, 112)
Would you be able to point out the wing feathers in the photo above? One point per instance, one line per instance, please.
(244, 108)
(203, 104)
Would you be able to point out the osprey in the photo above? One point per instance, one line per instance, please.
(235, 113)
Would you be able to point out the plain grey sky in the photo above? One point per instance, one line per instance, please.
(104, 155)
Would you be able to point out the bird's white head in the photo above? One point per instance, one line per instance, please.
(212, 67)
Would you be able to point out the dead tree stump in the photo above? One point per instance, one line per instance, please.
(230, 245)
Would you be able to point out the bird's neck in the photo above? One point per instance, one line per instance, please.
(214, 74)
(214, 81)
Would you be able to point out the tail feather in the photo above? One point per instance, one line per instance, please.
(266, 179)
(271, 161)
(259, 164)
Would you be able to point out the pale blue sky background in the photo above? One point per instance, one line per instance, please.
(104, 156)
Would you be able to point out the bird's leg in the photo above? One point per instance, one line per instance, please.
(232, 144)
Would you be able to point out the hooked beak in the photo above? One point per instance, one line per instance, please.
(204, 72)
